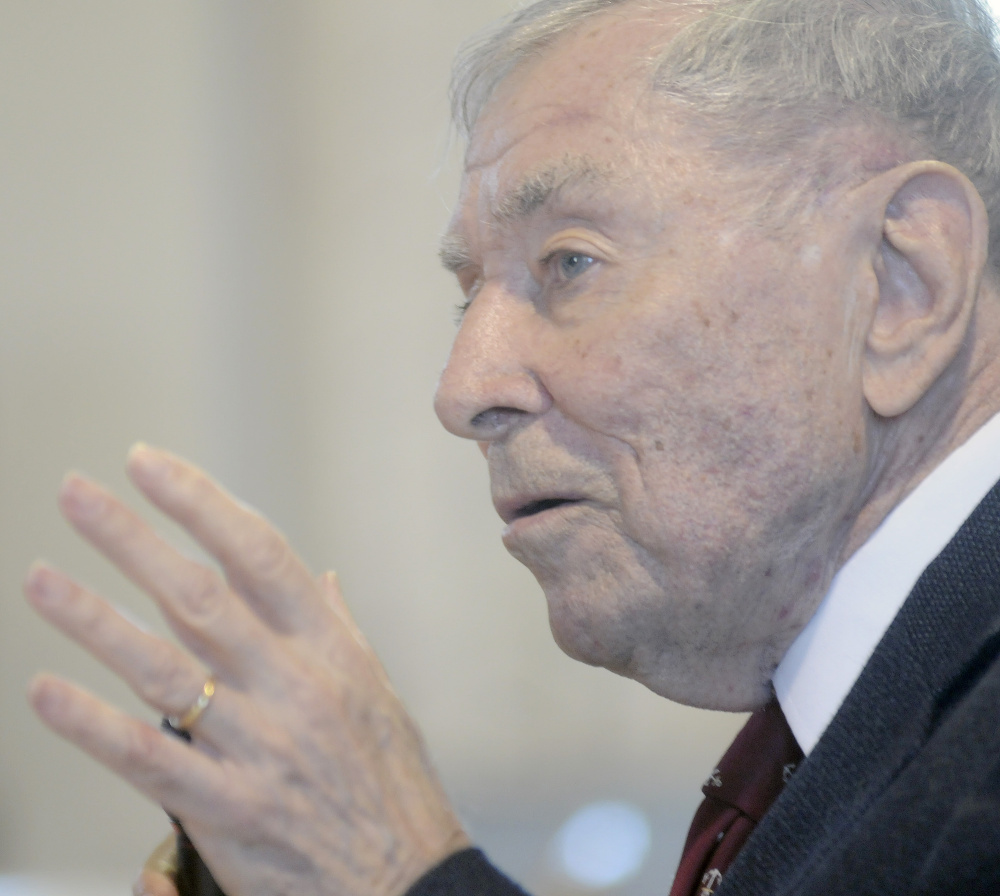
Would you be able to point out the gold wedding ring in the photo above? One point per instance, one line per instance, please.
(185, 721)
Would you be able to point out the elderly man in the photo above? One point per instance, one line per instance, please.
(731, 348)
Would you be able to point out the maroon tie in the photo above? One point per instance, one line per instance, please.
(749, 778)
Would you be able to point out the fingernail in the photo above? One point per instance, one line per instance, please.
(44, 696)
(81, 496)
(43, 585)
(146, 460)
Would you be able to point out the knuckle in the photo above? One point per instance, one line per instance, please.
(165, 685)
(191, 492)
(247, 809)
(196, 486)
(201, 594)
(266, 553)
(141, 748)
(91, 616)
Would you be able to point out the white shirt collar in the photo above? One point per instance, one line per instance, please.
(827, 657)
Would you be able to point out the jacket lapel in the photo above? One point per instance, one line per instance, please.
(948, 622)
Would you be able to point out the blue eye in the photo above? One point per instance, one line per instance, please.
(572, 264)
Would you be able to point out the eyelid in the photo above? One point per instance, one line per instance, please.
(574, 241)
(474, 278)
(469, 278)
(549, 261)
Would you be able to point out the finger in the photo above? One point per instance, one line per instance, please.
(161, 674)
(255, 556)
(348, 628)
(330, 588)
(158, 874)
(186, 782)
(197, 604)
(152, 883)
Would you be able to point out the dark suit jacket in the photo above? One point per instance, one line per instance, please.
(902, 793)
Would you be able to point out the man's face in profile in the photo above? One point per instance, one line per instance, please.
(667, 393)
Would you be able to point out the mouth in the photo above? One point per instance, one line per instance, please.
(535, 507)
(538, 506)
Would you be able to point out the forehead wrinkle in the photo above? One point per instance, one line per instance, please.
(534, 191)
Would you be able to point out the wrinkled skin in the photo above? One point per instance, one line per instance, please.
(694, 410)
(306, 774)
(636, 343)
(690, 422)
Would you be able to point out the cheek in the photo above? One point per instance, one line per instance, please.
(662, 427)
(711, 424)
(647, 381)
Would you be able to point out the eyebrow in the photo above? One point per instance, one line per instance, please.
(532, 193)
(454, 252)
(539, 188)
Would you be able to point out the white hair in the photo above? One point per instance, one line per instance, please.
(769, 77)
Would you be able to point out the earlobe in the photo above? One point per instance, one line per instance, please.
(935, 237)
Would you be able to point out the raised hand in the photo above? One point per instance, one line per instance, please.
(305, 775)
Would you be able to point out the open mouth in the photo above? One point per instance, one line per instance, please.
(539, 506)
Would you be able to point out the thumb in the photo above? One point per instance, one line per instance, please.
(157, 875)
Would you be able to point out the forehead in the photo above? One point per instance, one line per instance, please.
(577, 114)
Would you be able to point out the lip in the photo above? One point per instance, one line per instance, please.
(540, 521)
(537, 514)
(523, 507)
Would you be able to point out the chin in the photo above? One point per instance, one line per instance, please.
(686, 676)
(583, 636)
(604, 614)
(579, 643)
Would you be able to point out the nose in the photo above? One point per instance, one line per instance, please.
(490, 385)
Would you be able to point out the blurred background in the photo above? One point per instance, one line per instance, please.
(218, 234)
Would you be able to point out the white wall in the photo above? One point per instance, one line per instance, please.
(218, 234)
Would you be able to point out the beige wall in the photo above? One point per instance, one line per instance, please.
(218, 234)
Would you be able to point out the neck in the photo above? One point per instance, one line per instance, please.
(904, 450)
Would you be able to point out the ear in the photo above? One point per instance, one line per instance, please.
(935, 238)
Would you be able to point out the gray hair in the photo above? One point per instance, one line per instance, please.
(768, 77)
